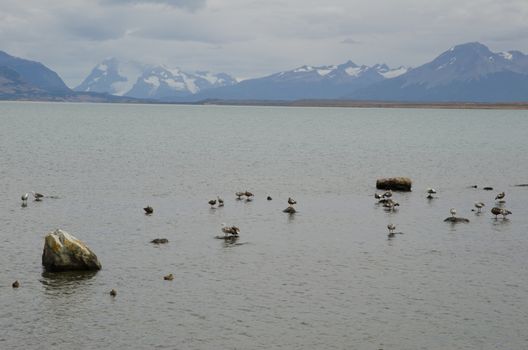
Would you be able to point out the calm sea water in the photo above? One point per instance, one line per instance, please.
(325, 278)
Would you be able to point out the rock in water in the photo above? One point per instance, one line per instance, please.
(64, 252)
(394, 183)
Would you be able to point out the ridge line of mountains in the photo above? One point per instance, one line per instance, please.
(464, 73)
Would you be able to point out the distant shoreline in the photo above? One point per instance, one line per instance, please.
(293, 103)
(372, 104)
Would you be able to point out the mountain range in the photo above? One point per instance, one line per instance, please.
(138, 80)
(464, 73)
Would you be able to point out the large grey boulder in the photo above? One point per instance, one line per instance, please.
(64, 252)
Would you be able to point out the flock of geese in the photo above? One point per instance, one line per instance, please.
(390, 204)
(231, 233)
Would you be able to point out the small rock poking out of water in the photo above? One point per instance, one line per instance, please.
(113, 292)
(160, 241)
(15, 284)
(456, 219)
(169, 277)
(394, 184)
(487, 188)
(290, 210)
(64, 252)
(269, 198)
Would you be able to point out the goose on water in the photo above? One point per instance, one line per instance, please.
(387, 194)
(148, 210)
(220, 201)
(377, 196)
(230, 230)
(391, 228)
(291, 201)
(453, 212)
(25, 197)
(496, 211)
(479, 206)
(38, 196)
(240, 194)
(500, 196)
(212, 203)
(249, 196)
(431, 191)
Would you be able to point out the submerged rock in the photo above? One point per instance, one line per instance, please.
(455, 219)
(64, 252)
(394, 183)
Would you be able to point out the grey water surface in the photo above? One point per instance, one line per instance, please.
(325, 278)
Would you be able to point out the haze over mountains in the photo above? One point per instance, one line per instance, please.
(465, 73)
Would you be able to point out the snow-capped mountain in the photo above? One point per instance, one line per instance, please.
(166, 84)
(138, 80)
(306, 82)
(467, 72)
(112, 77)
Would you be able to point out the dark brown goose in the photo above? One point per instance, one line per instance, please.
(496, 211)
(148, 210)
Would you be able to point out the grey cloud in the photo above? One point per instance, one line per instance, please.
(190, 5)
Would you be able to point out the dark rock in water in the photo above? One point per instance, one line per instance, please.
(160, 241)
(521, 185)
(289, 210)
(15, 284)
(169, 277)
(64, 252)
(269, 198)
(455, 219)
(394, 183)
(487, 188)
(113, 292)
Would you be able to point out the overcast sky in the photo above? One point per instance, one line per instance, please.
(249, 38)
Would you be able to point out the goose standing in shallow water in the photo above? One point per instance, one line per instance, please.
(430, 192)
(505, 212)
(496, 211)
(38, 196)
(479, 206)
(500, 196)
